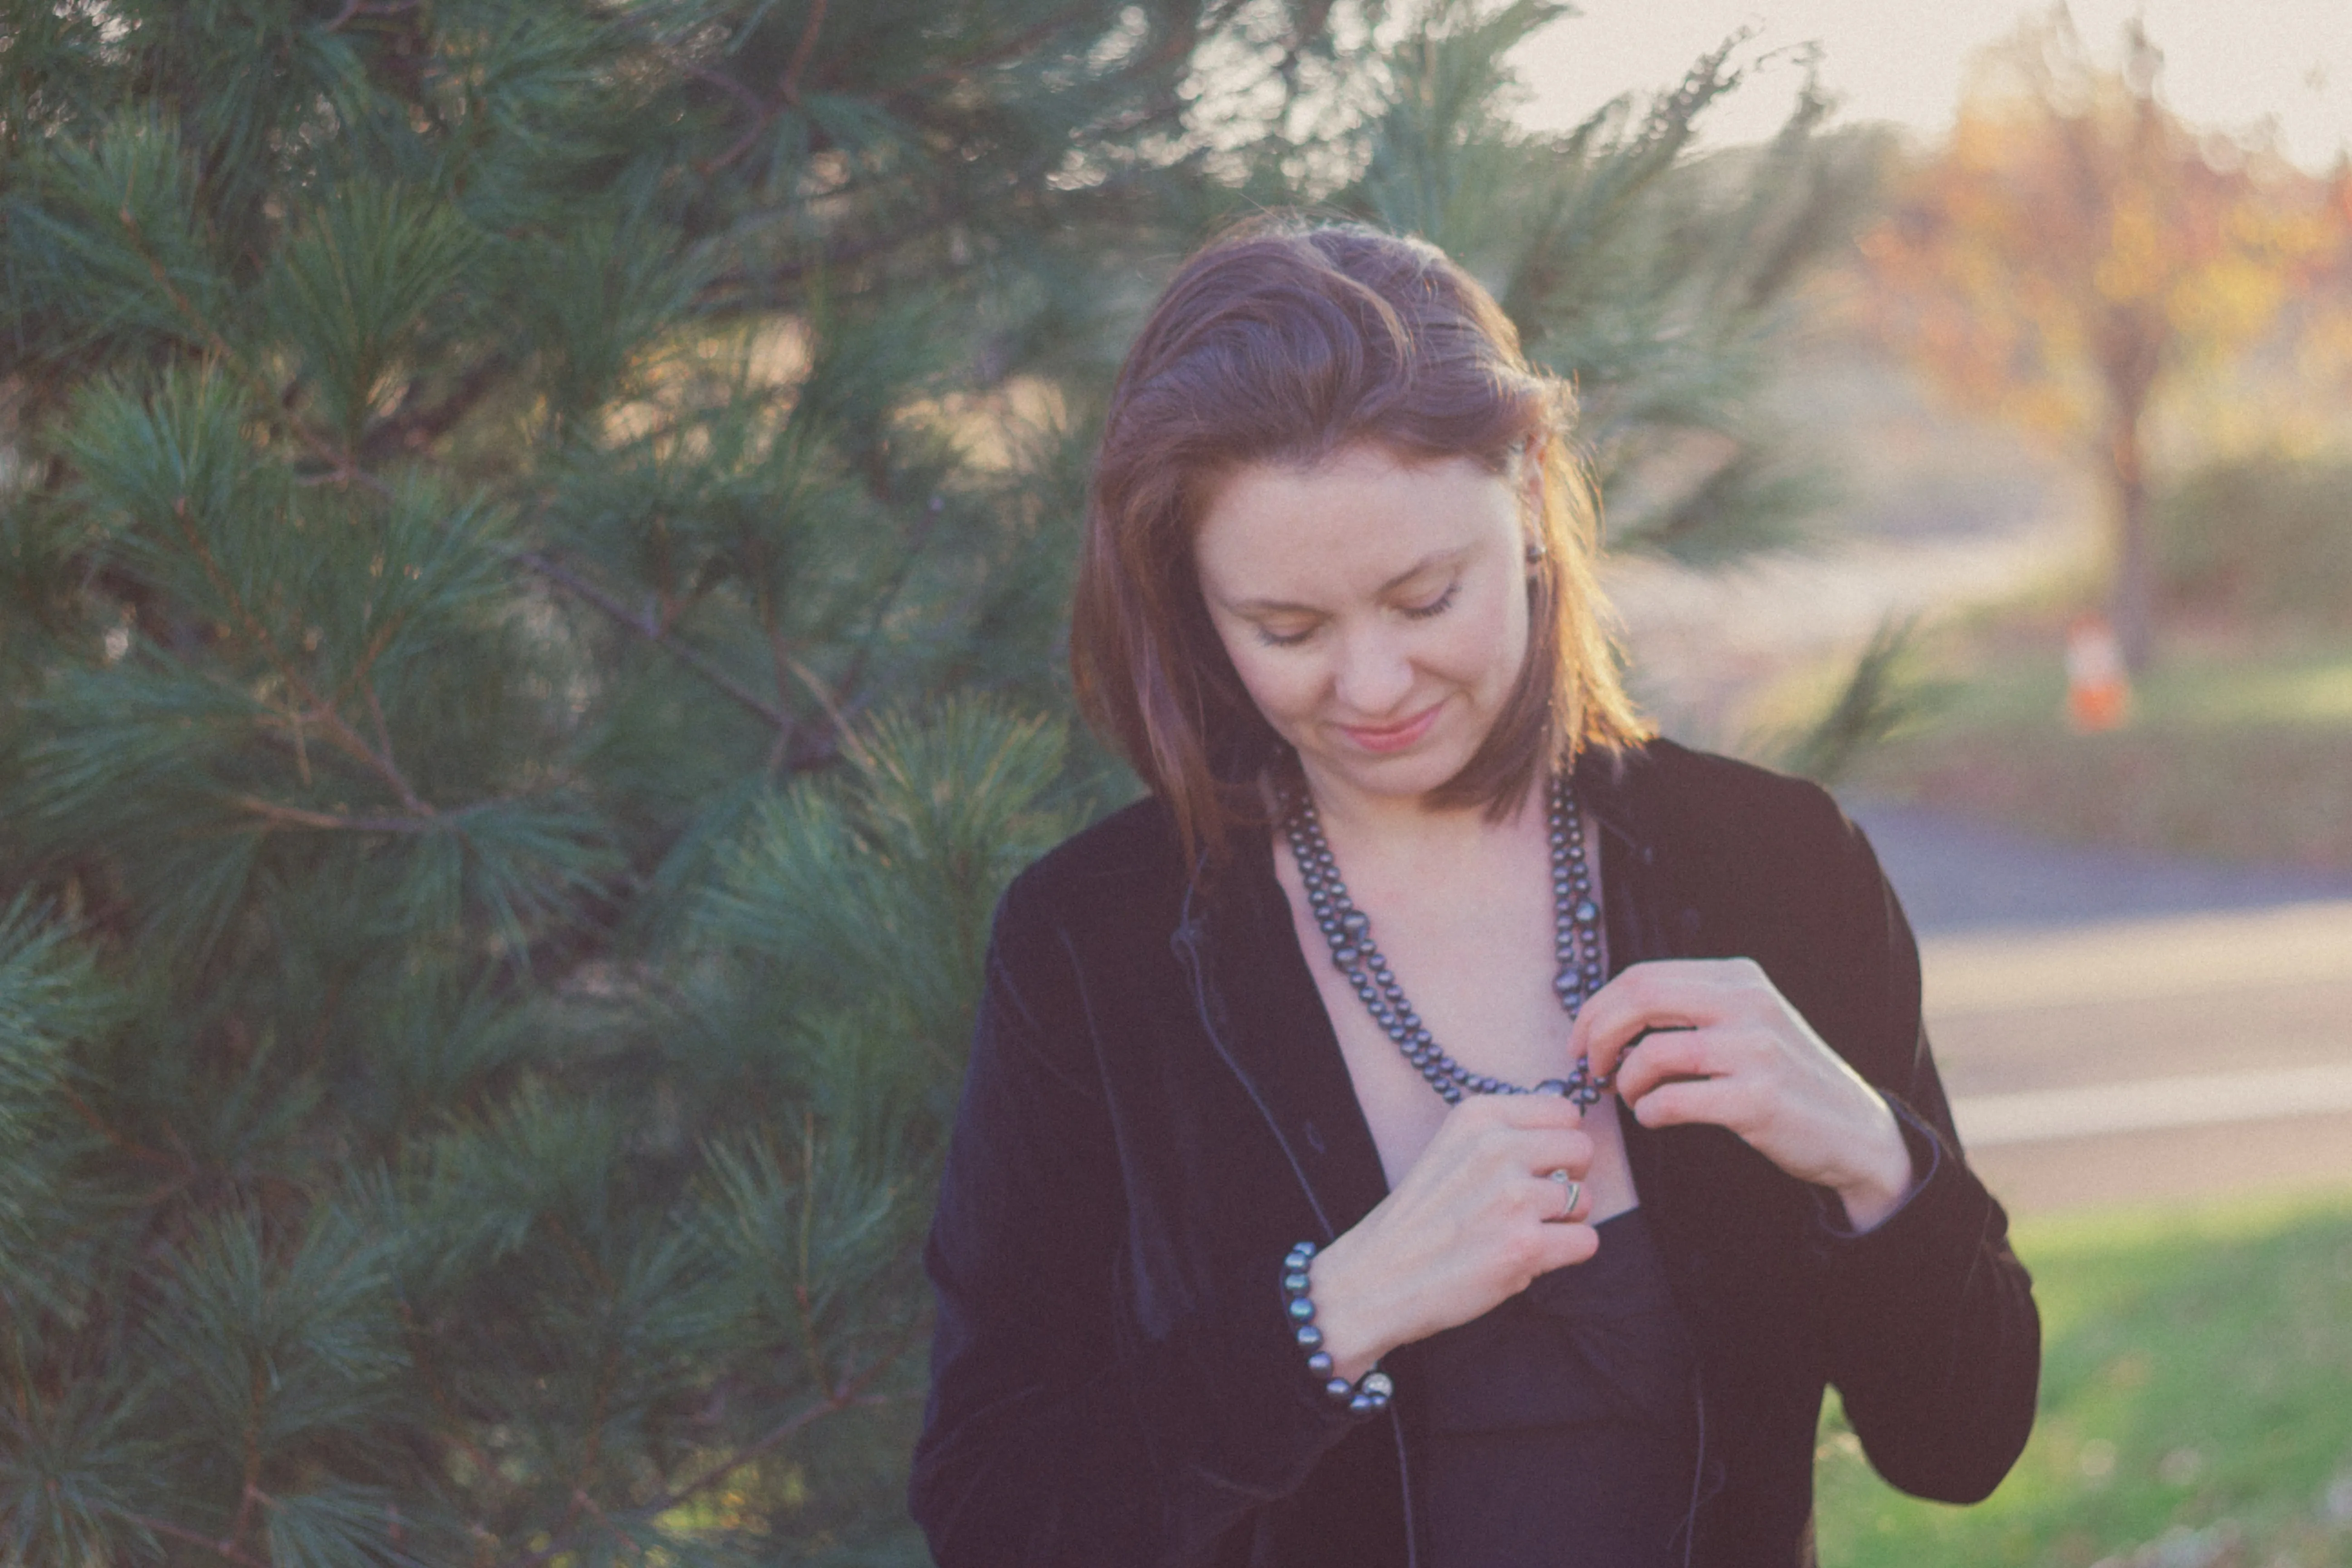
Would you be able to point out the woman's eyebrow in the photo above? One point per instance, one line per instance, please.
(1421, 568)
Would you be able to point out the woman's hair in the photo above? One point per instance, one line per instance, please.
(1285, 343)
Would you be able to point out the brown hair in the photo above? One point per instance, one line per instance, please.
(1282, 342)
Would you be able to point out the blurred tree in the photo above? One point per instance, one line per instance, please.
(483, 488)
(2074, 246)
(2261, 539)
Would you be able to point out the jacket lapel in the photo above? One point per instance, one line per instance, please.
(1263, 1012)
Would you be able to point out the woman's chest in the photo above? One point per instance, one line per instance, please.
(1475, 966)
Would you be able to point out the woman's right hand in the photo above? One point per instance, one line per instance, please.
(1474, 1220)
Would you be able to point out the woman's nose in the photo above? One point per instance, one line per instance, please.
(1374, 673)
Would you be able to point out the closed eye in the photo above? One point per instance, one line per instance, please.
(1437, 606)
(1273, 638)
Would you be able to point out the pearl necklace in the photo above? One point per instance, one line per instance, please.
(1576, 945)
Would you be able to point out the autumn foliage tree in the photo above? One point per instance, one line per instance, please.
(2074, 247)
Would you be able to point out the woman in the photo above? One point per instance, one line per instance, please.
(1511, 1198)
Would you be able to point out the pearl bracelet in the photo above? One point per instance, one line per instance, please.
(1369, 1393)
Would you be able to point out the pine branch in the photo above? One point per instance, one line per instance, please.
(139, 1151)
(914, 92)
(225, 1548)
(456, 1426)
(712, 299)
(788, 87)
(257, 1393)
(1013, 48)
(846, 1395)
(607, 1372)
(812, 1350)
(352, 9)
(321, 711)
(902, 572)
(286, 815)
(414, 432)
(788, 93)
(342, 466)
(654, 632)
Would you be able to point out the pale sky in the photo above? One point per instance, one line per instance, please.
(2229, 64)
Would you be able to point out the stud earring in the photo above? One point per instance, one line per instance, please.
(1535, 551)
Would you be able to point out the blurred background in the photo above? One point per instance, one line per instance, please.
(532, 551)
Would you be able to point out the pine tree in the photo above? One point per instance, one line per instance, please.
(490, 487)
(531, 547)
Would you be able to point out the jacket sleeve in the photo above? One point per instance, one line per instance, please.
(1061, 1429)
(1932, 1337)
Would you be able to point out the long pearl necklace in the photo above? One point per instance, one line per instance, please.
(1576, 945)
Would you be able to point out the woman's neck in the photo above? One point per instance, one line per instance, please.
(1404, 830)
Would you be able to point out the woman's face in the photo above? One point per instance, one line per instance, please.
(1375, 610)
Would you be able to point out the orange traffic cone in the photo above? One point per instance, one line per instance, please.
(2098, 690)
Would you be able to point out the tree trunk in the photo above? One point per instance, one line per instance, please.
(2131, 603)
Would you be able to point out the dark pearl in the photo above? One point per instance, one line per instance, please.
(1319, 1364)
(1309, 1337)
(1301, 1310)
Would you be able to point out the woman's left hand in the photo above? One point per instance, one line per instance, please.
(1719, 1044)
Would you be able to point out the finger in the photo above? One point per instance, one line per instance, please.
(1665, 1056)
(1544, 1247)
(1667, 994)
(1569, 1196)
(1508, 1156)
(1568, 1152)
(1713, 1101)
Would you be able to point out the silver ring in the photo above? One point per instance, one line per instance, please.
(1571, 1190)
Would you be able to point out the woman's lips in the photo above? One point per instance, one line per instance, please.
(1393, 737)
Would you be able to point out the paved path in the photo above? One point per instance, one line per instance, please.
(1956, 875)
(2117, 1028)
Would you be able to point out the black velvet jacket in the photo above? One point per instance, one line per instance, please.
(1157, 1108)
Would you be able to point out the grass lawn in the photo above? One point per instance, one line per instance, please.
(2195, 1405)
(2237, 748)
